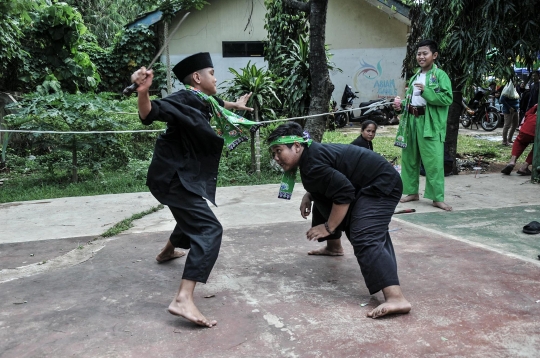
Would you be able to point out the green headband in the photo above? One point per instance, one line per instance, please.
(290, 139)
(289, 178)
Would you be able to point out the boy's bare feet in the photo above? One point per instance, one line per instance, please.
(169, 253)
(167, 256)
(390, 307)
(324, 251)
(411, 197)
(394, 303)
(332, 248)
(184, 307)
(442, 205)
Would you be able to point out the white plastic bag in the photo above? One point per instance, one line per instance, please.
(509, 91)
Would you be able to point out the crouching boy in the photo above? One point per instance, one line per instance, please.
(354, 189)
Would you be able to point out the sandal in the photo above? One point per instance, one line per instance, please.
(525, 172)
(508, 169)
(532, 228)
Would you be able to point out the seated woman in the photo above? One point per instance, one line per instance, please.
(525, 137)
(355, 190)
(367, 133)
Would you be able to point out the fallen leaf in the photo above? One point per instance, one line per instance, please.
(444, 339)
(363, 304)
(209, 296)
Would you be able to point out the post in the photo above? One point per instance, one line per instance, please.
(536, 149)
(257, 145)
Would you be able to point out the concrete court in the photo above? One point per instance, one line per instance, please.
(475, 291)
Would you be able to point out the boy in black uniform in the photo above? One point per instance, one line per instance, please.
(184, 171)
(355, 190)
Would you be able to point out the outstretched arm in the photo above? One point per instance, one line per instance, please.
(240, 104)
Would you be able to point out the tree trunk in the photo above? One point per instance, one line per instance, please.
(321, 85)
(452, 127)
(535, 169)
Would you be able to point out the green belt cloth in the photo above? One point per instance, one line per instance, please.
(402, 132)
(230, 126)
(289, 178)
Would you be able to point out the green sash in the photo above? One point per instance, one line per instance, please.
(229, 125)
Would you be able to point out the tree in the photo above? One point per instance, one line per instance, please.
(14, 16)
(82, 112)
(263, 87)
(468, 30)
(47, 49)
(321, 85)
(287, 54)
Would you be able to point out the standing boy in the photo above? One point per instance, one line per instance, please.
(184, 171)
(422, 129)
(352, 189)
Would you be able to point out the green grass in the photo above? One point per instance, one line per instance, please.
(36, 184)
(488, 150)
(126, 224)
(383, 143)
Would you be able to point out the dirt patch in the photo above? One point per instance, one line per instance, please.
(487, 168)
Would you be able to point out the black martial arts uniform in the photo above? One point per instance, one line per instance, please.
(183, 172)
(347, 174)
(361, 142)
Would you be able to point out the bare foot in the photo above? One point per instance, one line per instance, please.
(165, 256)
(412, 197)
(325, 251)
(187, 309)
(391, 306)
(442, 205)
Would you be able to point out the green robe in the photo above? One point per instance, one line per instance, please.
(425, 136)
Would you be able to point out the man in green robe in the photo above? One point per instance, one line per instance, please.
(422, 130)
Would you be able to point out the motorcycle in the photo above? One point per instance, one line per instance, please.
(479, 110)
(380, 111)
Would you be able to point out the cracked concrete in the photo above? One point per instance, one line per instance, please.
(472, 293)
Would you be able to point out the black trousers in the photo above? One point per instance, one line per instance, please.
(320, 215)
(197, 229)
(367, 230)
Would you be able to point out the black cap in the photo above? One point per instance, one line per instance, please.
(192, 64)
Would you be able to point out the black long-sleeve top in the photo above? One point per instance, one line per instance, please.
(189, 147)
(341, 172)
(362, 142)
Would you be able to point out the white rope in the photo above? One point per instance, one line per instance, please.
(161, 130)
(326, 114)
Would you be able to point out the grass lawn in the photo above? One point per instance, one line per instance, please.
(36, 184)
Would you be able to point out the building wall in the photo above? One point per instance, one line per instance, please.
(368, 45)
(222, 20)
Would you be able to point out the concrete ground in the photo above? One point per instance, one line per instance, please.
(472, 277)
